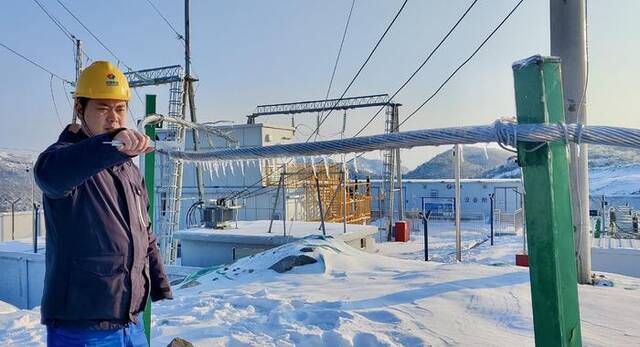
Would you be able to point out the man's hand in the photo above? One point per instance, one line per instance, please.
(134, 143)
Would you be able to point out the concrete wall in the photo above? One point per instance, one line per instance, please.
(23, 277)
(624, 261)
(23, 225)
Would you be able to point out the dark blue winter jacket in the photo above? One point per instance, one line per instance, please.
(102, 261)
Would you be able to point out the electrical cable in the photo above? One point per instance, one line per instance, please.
(335, 65)
(55, 21)
(463, 63)
(178, 35)
(424, 62)
(55, 106)
(351, 82)
(118, 60)
(384, 34)
(36, 64)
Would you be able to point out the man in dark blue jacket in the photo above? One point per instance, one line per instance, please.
(102, 260)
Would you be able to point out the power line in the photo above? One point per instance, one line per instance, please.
(335, 65)
(363, 64)
(119, 61)
(35, 64)
(343, 93)
(55, 21)
(424, 62)
(463, 63)
(178, 35)
(66, 95)
(55, 106)
(60, 26)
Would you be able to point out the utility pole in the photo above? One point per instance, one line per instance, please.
(188, 91)
(78, 56)
(457, 152)
(396, 127)
(345, 178)
(284, 199)
(568, 41)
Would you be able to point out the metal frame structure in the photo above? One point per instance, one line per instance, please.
(155, 76)
(320, 106)
(171, 172)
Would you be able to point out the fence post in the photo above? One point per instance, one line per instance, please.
(491, 197)
(552, 259)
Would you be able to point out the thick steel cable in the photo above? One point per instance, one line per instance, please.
(505, 133)
(157, 118)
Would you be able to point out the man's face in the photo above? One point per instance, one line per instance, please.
(103, 115)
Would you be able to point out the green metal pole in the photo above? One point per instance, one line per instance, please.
(149, 178)
(552, 258)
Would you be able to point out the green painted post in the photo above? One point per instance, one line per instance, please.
(552, 258)
(149, 178)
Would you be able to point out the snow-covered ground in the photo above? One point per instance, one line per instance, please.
(351, 298)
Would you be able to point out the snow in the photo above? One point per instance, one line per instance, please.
(352, 298)
(296, 229)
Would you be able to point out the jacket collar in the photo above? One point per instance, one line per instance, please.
(72, 134)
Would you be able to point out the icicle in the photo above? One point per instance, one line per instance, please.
(486, 153)
(326, 165)
(216, 167)
(210, 169)
(260, 166)
(231, 167)
(313, 165)
(224, 170)
(355, 163)
(304, 162)
(241, 167)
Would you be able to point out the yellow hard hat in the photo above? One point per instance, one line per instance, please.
(103, 80)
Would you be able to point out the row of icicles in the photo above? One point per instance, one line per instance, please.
(221, 167)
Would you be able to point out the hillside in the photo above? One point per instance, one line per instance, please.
(16, 179)
(476, 161)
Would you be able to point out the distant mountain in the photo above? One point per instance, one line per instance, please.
(599, 157)
(15, 180)
(476, 162)
(370, 167)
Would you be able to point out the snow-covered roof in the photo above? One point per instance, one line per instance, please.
(257, 231)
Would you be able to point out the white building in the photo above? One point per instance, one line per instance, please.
(439, 196)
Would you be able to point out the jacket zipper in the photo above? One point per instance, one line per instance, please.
(140, 208)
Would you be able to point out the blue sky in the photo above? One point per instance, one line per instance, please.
(247, 53)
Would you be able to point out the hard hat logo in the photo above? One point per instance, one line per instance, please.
(103, 80)
(111, 80)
